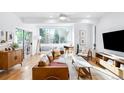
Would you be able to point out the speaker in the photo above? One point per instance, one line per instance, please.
(77, 49)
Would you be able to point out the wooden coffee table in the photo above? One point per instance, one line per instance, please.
(82, 66)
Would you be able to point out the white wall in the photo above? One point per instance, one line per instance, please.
(9, 22)
(110, 22)
(88, 34)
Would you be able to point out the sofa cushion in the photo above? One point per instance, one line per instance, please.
(50, 56)
(44, 60)
(60, 59)
(56, 53)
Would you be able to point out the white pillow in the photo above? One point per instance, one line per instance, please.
(44, 58)
(110, 62)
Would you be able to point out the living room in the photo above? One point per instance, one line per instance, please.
(61, 46)
(75, 33)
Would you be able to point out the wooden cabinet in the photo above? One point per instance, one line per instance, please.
(10, 58)
(114, 67)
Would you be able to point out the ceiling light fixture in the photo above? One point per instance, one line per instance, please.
(62, 17)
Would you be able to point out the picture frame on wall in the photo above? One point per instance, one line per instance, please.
(82, 41)
(9, 36)
(82, 33)
(82, 37)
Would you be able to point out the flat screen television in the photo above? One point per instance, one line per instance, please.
(114, 40)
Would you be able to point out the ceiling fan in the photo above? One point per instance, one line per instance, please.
(63, 17)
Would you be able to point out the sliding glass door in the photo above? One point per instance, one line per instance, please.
(19, 37)
(24, 39)
(27, 43)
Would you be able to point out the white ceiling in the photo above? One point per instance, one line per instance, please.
(53, 17)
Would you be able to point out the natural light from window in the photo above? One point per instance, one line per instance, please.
(55, 36)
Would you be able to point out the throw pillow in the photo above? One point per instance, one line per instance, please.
(42, 63)
(45, 60)
(50, 56)
(56, 53)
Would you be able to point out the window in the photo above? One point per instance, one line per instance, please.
(55, 35)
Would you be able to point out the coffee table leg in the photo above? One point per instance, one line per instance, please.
(90, 73)
(78, 76)
(78, 72)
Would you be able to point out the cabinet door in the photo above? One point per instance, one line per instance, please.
(4, 60)
(11, 58)
(18, 56)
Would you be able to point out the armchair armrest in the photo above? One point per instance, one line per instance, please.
(44, 72)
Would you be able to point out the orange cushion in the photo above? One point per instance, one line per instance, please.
(56, 53)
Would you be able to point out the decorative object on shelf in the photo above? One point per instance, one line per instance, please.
(2, 36)
(14, 46)
(3, 41)
(6, 49)
(9, 49)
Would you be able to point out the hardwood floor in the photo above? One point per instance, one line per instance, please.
(24, 72)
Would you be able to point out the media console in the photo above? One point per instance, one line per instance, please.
(115, 67)
(10, 58)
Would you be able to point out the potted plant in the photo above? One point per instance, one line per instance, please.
(15, 46)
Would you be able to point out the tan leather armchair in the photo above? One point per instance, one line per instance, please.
(50, 72)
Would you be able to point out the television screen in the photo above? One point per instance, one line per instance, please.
(114, 40)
